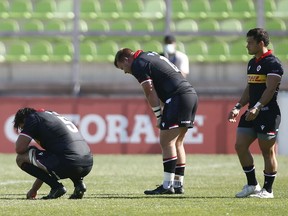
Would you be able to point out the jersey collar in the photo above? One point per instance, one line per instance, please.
(269, 52)
(137, 53)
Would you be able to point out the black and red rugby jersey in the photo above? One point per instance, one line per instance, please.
(166, 77)
(56, 134)
(257, 72)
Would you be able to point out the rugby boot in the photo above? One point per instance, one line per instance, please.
(79, 191)
(159, 191)
(264, 194)
(56, 193)
(248, 190)
(179, 190)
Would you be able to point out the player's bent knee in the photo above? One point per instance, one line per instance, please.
(20, 159)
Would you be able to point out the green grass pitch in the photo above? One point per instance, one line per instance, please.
(116, 184)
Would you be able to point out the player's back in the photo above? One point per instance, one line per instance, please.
(57, 134)
(167, 78)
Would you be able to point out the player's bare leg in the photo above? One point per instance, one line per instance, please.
(168, 140)
(268, 151)
(181, 163)
(267, 147)
(25, 162)
(243, 142)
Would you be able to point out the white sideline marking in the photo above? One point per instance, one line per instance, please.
(14, 182)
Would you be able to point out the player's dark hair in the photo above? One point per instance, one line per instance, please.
(169, 39)
(259, 34)
(121, 55)
(21, 115)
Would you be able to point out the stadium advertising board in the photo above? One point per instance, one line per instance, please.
(127, 125)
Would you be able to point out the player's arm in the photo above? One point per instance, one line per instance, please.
(184, 66)
(245, 97)
(32, 193)
(22, 144)
(272, 83)
(150, 93)
(152, 98)
(241, 103)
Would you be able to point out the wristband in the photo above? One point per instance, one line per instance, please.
(157, 111)
(238, 106)
(258, 105)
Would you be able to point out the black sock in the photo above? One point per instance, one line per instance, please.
(40, 174)
(169, 164)
(179, 176)
(180, 169)
(77, 182)
(268, 181)
(250, 175)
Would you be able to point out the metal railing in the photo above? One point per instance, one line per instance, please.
(76, 34)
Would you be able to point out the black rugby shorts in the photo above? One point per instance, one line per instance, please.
(60, 167)
(267, 122)
(179, 111)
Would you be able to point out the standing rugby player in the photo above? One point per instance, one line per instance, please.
(174, 102)
(261, 120)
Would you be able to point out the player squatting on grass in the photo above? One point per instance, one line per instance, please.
(63, 154)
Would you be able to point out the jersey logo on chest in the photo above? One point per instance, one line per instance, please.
(256, 78)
